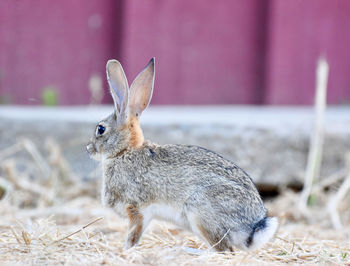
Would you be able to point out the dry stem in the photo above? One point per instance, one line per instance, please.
(81, 229)
(316, 141)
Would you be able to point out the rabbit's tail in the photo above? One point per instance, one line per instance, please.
(262, 232)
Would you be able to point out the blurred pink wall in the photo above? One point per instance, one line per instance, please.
(223, 52)
(299, 32)
(205, 53)
(57, 44)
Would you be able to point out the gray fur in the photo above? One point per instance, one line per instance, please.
(213, 196)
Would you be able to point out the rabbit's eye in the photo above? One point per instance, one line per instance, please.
(101, 129)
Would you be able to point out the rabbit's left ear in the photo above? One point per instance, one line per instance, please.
(118, 85)
(141, 89)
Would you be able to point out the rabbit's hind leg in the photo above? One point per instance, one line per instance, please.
(215, 240)
(136, 226)
(218, 241)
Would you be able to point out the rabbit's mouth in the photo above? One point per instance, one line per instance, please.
(91, 150)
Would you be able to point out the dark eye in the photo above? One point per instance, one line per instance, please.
(101, 129)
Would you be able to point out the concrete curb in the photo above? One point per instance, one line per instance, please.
(270, 143)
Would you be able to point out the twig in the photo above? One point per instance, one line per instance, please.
(15, 234)
(59, 163)
(79, 230)
(220, 239)
(294, 243)
(334, 200)
(316, 141)
(334, 178)
(22, 183)
(5, 188)
(26, 237)
(10, 151)
(30, 147)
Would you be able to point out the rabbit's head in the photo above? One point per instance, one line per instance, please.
(121, 130)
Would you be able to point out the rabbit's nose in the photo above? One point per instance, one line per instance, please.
(90, 148)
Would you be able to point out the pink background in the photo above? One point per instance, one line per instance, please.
(222, 52)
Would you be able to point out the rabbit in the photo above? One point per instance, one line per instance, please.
(192, 187)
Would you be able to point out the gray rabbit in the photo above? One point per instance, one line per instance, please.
(192, 187)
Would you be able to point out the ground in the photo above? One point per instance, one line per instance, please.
(40, 236)
(51, 216)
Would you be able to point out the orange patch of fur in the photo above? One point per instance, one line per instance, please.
(133, 213)
(136, 138)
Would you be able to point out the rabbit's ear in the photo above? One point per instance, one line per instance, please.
(118, 85)
(141, 89)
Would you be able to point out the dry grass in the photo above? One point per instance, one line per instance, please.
(34, 241)
(54, 218)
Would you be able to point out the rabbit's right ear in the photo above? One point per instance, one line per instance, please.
(141, 89)
(118, 85)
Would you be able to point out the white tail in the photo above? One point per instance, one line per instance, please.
(264, 233)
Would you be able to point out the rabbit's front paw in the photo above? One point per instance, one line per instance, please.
(127, 245)
(130, 242)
